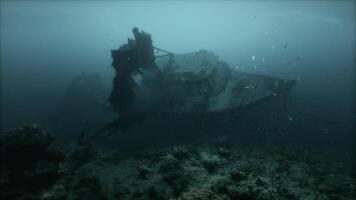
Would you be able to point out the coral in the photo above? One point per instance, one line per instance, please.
(143, 171)
(237, 175)
(169, 164)
(179, 173)
(200, 194)
(224, 153)
(240, 193)
(220, 185)
(178, 181)
(152, 154)
(57, 192)
(28, 161)
(210, 162)
(120, 190)
(83, 154)
(155, 194)
(22, 146)
(180, 152)
(92, 184)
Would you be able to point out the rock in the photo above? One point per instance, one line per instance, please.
(57, 192)
(202, 176)
(220, 185)
(210, 162)
(22, 146)
(224, 153)
(240, 193)
(153, 154)
(262, 182)
(28, 161)
(169, 164)
(179, 152)
(237, 175)
(177, 180)
(143, 171)
(200, 194)
(155, 194)
(83, 154)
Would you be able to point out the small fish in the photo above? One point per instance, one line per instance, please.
(298, 59)
(285, 46)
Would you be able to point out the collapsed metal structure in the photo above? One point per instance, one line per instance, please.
(186, 85)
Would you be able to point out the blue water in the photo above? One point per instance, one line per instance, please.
(45, 44)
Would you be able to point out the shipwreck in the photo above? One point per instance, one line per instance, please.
(194, 91)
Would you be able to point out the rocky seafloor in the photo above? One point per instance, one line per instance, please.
(32, 167)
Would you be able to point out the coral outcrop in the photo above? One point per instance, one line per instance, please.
(199, 172)
(28, 161)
